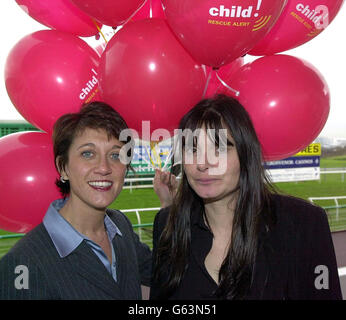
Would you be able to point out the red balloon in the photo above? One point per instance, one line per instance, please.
(219, 78)
(145, 74)
(110, 12)
(288, 101)
(27, 180)
(60, 15)
(49, 73)
(217, 32)
(299, 23)
(151, 9)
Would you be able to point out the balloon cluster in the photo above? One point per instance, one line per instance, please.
(165, 56)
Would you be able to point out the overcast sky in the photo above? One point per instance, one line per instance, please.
(326, 52)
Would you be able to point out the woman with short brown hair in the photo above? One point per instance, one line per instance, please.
(82, 250)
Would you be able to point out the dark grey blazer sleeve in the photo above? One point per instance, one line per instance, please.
(313, 273)
(319, 260)
(80, 275)
(143, 251)
(21, 277)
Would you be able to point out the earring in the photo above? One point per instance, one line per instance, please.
(62, 179)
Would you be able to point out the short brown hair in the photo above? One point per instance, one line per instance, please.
(94, 115)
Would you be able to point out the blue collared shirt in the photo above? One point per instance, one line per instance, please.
(66, 238)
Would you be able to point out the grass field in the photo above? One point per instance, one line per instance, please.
(329, 185)
(334, 162)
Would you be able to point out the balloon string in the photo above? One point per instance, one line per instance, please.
(207, 83)
(100, 31)
(156, 156)
(170, 155)
(237, 93)
(150, 158)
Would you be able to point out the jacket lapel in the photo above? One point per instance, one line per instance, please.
(92, 270)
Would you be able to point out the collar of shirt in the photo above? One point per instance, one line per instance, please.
(64, 236)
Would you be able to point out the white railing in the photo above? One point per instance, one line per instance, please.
(341, 171)
(334, 169)
(336, 201)
(137, 212)
(130, 181)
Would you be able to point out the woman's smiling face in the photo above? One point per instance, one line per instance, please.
(94, 169)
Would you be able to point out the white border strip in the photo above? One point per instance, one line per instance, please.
(342, 271)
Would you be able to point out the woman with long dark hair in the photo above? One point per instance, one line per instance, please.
(226, 233)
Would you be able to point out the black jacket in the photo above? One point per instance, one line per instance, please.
(80, 275)
(292, 257)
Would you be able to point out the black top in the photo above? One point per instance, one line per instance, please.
(80, 275)
(286, 262)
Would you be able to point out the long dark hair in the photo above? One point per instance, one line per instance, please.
(252, 206)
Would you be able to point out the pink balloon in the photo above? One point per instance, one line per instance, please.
(110, 12)
(288, 101)
(151, 9)
(219, 78)
(216, 32)
(300, 22)
(49, 73)
(145, 74)
(60, 15)
(27, 180)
